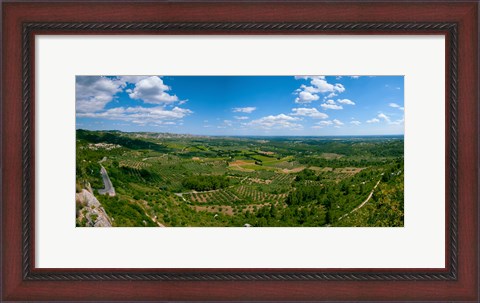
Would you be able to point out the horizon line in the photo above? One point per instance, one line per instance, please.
(153, 132)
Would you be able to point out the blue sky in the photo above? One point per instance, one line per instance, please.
(242, 105)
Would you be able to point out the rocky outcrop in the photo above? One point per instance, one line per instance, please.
(90, 212)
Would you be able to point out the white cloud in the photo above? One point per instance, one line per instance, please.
(331, 106)
(227, 122)
(309, 112)
(306, 97)
(140, 115)
(384, 117)
(278, 121)
(92, 93)
(337, 122)
(152, 90)
(132, 79)
(308, 77)
(395, 105)
(318, 85)
(325, 123)
(331, 95)
(334, 122)
(322, 86)
(355, 122)
(387, 119)
(354, 77)
(246, 110)
(330, 102)
(241, 117)
(346, 101)
(398, 122)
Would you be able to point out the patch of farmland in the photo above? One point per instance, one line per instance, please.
(286, 164)
(254, 195)
(219, 196)
(330, 156)
(225, 209)
(282, 179)
(321, 169)
(258, 181)
(241, 162)
(133, 164)
(255, 167)
(351, 171)
(264, 158)
(256, 207)
(293, 170)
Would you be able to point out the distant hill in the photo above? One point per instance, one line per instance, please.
(116, 137)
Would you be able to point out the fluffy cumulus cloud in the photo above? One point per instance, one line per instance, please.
(337, 122)
(346, 101)
(384, 117)
(355, 122)
(133, 79)
(309, 112)
(152, 90)
(330, 104)
(334, 122)
(276, 122)
(92, 93)
(140, 115)
(246, 110)
(325, 123)
(318, 85)
(306, 97)
(389, 120)
(241, 117)
(395, 105)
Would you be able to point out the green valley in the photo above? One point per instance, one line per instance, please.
(148, 179)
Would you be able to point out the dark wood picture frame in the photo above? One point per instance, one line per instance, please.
(21, 281)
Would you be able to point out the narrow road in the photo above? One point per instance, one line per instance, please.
(154, 219)
(181, 196)
(107, 183)
(363, 203)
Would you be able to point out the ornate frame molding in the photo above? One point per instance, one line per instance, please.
(450, 28)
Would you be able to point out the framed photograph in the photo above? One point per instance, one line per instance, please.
(235, 151)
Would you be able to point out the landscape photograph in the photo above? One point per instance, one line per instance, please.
(239, 151)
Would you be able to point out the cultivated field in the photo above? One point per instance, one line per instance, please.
(168, 180)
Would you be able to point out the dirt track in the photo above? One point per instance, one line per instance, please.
(363, 203)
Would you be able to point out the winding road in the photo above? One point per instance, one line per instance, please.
(108, 184)
(363, 203)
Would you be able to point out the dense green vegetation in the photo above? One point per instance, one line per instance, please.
(204, 183)
(181, 180)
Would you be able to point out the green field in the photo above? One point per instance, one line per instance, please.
(181, 180)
